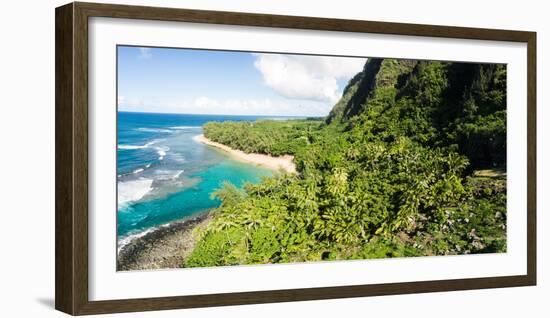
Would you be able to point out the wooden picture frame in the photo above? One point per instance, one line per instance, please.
(71, 122)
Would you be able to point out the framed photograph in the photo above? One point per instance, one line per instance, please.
(211, 158)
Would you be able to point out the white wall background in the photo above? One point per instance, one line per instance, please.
(27, 158)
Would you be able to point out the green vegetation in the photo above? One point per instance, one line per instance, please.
(266, 137)
(411, 161)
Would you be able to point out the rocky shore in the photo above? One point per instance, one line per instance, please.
(162, 248)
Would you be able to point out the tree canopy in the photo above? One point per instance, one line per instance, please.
(411, 161)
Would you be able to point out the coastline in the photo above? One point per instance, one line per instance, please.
(285, 162)
(162, 248)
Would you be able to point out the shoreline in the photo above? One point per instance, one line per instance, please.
(164, 247)
(285, 162)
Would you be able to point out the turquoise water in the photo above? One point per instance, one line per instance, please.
(165, 175)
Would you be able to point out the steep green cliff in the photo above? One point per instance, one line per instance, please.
(378, 74)
(434, 103)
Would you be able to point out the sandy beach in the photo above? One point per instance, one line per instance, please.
(165, 247)
(285, 163)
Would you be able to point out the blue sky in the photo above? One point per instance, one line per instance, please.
(189, 81)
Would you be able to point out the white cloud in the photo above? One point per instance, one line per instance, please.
(308, 86)
(253, 106)
(232, 106)
(307, 77)
(206, 103)
(145, 53)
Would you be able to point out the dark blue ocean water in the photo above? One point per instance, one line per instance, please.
(164, 175)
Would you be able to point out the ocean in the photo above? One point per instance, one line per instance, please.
(163, 175)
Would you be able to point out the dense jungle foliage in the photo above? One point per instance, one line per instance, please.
(266, 137)
(410, 162)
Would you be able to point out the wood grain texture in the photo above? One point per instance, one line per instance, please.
(297, 22)
(80, 146)
(532, 158)
(72, 157)
(229, 299)
(64, 236)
